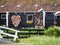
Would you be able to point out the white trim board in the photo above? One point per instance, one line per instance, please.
(7, 13)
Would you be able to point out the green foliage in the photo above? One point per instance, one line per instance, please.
(52, 31)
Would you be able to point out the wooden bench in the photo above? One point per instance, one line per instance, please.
(11, 35)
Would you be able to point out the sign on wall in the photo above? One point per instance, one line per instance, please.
(21, 20)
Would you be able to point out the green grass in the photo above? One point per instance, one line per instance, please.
(41, 40)
(38, 40)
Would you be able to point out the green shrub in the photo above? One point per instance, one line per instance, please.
(52, 31)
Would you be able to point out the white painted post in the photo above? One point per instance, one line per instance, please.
(15, 35)
(1, 33)
(43, 18)
(7, 18)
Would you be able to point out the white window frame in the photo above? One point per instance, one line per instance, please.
(27, 17)
(2, 16)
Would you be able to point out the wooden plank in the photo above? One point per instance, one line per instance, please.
(10, 35)
(9, 28)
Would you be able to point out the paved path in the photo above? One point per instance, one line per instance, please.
(4, 40)
(18, 44)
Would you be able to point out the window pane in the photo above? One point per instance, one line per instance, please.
(30, 18)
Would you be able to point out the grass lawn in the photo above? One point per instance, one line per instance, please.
(41, 40)
(38, 40)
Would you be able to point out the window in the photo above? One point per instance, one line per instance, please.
(3, 16)
(29, 19)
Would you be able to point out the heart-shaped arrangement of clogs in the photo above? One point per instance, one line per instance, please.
(16, 19)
